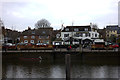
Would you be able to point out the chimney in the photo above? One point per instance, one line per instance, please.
(29, 28)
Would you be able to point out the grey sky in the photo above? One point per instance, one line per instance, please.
(20, 15)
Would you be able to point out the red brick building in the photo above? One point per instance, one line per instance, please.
(41, 35)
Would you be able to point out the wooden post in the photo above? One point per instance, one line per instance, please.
(67, 61)
(80, 48)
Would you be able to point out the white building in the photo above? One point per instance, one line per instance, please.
(81, 34)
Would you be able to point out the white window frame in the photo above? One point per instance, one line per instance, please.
(25, 41)
(66, 34)
(86, 29)
(33, 37)
(25, 37)
(47, 41)
(31, 41)
(67, 29)
(76, 29)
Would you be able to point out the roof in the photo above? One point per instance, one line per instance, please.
(118, 32)
(81, 28)
(40, 31)
(112, 27)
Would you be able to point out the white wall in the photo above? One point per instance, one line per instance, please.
(70, 34)
(92, 35)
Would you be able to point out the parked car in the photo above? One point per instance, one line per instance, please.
(41, 45)
(115, 45)
(109, 46)
(8, 46)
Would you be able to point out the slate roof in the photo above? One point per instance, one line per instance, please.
(81, 28)
(118, 32)
(40, 31)
(112, 27)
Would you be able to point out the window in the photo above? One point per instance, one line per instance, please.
(43, 32)
(47, 37)
(32, 41)
(115, 31)
(33, 32)
(95, 35)
(47, 41)
(66, 35)
(76, 35)
(43, 37)
(39, 41)
(92, 34)
(67, 29)
(86, 29)
(76, 29)
(25, 37)
(25, 41)
(58, 35)
(33, 37)
(81, 35)
(44, 41)
(86, 34)
(40, 37)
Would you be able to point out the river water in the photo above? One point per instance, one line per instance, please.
(55, 68)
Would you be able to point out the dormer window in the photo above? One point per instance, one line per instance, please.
(76, 29)
(86, 29)
(67, 29)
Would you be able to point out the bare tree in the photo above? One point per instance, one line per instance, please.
(42, 23)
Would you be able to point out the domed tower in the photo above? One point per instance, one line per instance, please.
(43, 23)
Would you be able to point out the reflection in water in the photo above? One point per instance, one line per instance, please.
(57, 72)
(94, 71)
(54, 69)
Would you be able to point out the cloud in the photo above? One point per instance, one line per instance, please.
(17, 14)
(79, 11)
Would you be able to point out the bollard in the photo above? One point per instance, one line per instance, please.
(67, 61)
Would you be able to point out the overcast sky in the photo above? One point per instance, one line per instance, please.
(20, 15)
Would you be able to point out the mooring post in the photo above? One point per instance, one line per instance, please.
(67, 61)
